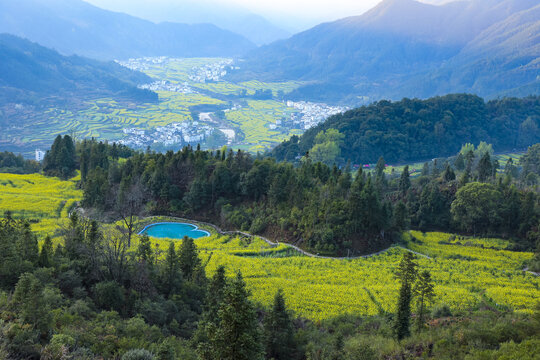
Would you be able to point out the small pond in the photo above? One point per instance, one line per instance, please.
(173, 230)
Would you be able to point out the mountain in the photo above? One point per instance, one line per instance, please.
(76, 27)
(30, 73)
(414, 130)
(253, 27)
(403, 48)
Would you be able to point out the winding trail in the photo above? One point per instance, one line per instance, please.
(294, 247)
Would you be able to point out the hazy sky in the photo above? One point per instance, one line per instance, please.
(314, 10)
(293, 15)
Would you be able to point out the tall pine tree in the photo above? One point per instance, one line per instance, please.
(278, 331)
(406, 274)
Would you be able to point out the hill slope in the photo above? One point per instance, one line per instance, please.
(413, 130)
(34, 79)
(76, 27)
(396, 48)
(239, 20)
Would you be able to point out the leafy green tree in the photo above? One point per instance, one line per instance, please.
(477, 207)
(529, 131)
(406, 273)
(327, 147)
(530, 162)
(483, 148)
(424, 291)
(510, 169)
(278, 331)
(109, 295)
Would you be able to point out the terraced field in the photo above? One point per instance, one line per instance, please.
(106, 118)
(254, 121)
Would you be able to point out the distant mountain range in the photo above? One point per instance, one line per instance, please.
(408, 48)
(253, 27)
(32, 74)
(76, 27)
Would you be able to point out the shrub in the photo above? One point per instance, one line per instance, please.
(138, 354)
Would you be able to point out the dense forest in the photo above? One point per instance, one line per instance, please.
(104, 293)
(325, 209)
(413, 129)
(92, 296)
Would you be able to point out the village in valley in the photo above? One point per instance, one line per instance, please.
(286, 117)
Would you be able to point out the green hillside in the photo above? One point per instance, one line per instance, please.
(414, 130)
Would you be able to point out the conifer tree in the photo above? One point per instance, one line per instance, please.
(425, 169)
(406, 274)
(278, 330)
(449, 174)
(189, 258)
(46, 253)
(423, 289)
(235, 336)
(404, 181)
(171, 275)
(485, 168)
(379, 172)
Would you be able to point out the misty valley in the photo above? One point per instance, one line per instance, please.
(271, 180)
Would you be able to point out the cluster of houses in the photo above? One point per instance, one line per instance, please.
(210, 72)
(164, 85)
(310, 114)
(141, 64)
(172, 134)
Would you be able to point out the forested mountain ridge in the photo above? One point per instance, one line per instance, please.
(407, 48)
(413, 129)
(76, 27)
(30, 72)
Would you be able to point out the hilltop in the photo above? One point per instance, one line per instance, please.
(76, 27)
(407, 48)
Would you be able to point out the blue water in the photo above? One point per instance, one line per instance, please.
(174, 231)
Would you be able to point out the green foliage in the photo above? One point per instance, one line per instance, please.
(16, 164)
(60, 160)
(138, 354)
(109, 295)
(234, 335)
(404, 130)
(406, 273)
(424, 291)
(18, 250)
(278, 331)
(476, 207)
(29, 300)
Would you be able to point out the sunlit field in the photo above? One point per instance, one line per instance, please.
(44, 201)
(465, 270)
(465, 274)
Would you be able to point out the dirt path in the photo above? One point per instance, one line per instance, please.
(294, 247)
